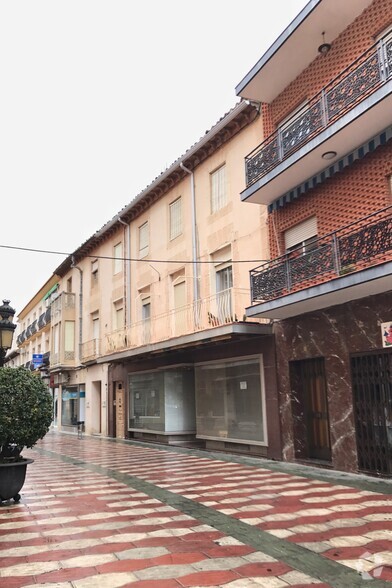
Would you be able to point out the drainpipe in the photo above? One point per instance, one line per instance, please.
(196, 293)
(127, 271)
(80, 307)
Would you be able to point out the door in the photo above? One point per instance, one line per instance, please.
(96, 336)
(372, 397)
(310, 407)
(224, 285)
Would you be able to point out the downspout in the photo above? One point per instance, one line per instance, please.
(127, 271)
(196, 293)
(80, 307)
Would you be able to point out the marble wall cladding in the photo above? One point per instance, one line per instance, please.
(334, 334)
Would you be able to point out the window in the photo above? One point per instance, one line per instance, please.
(146, 398)
(95, 329)
(221, 307)
(146, 309)
(69, 285)
(175, 212)
(118, 315)
(218, 189)
(118, 261)
(146, 316)
(94, 272)
(302, 237)
(143, 240)
(224, 278)
(230, 400)
(69, 338)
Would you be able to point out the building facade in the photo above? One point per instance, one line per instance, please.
(324, 171)
(149, 338)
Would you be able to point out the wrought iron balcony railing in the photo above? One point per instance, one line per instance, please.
(352, 248)
(44, 319)
(223, 308)
(363, 77)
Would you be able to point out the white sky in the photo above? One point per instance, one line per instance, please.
(97, 98)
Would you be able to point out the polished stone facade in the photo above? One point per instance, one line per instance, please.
(334, 334)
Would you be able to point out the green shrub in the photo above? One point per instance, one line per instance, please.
(26, 411)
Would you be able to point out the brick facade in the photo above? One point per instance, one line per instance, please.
(347, 197)
(351, 43)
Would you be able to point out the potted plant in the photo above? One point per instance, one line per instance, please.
(26, 410)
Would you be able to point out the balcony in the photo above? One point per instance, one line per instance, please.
(350, 263)
(350, 110)
(208, 314)
(63, 308)
(90, 350)
(44, 319)
(21, 338)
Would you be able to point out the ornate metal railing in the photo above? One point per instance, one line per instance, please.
(352, 248)
(44, 319)
(367, 73)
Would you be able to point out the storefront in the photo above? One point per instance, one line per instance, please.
(162, 401)
(230, 401)
(72, 405)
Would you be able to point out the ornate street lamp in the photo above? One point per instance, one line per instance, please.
(7, 329)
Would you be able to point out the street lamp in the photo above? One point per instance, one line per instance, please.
(7, 329)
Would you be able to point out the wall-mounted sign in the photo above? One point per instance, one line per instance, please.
(37, 359)
(386, 334)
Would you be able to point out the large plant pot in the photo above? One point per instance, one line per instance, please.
(12, 478)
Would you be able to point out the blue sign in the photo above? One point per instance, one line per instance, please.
(37, 359)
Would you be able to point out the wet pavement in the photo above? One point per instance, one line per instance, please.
(103, 513)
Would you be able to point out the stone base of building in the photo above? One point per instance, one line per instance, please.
(165, 438)
(232, 447)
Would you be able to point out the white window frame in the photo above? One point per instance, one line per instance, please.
(218, 188)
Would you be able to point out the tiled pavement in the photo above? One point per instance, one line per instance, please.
(102, 514)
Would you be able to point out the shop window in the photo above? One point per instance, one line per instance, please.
(146, 398)
(230, 401)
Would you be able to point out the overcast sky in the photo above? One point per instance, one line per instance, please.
(97, 99)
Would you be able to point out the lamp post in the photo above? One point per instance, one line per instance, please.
(7, 328)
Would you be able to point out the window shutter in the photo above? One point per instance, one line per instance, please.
(301, 232)
(175, 219)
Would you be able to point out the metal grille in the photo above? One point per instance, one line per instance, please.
(372, 394)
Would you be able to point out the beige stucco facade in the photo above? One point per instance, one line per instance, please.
(161, 289)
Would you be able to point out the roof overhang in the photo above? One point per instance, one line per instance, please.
(297, 47)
